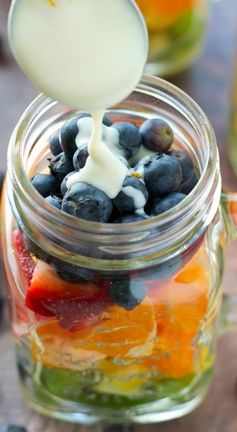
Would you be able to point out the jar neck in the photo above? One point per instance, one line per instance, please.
(116, 246)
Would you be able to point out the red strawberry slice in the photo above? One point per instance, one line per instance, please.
(23, 257)
(74, 315)
(76, 305)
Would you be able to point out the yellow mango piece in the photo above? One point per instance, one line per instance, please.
(125, 380)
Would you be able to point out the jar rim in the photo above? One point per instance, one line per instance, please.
(185, 210)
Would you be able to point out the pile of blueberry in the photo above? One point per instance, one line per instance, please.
(159, 177)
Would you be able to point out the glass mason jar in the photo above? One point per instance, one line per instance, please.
(80, 357)
(176, 33)
(232, 132)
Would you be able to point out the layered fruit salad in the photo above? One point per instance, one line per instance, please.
(114, 339)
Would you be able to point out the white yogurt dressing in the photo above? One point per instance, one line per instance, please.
(103, 168)
(137, 196)
(86, 54)
(110, 135)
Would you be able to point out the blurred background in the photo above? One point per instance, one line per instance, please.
(195, 48)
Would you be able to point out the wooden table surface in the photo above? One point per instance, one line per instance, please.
(208, 81)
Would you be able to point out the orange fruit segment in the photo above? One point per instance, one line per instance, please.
(161, 334)
(183, 301)
(123, 333)
(232, 207)
(119, 333)
(160, 14)
(53, 347)
(189, 304)
(180, 306)
(173, 355)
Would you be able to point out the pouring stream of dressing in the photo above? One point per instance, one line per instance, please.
(88, 55)
(103, 169)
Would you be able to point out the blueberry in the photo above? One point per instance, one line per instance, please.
(80, 157)
(128, 218)
(129, 138)
(165, 203)
(148, 207)
(54, 201)
(107, 121)
(156, 135)
(162, 174)
(60, 166)
(127, 293)
(164, 270)
(185, 162)
(133, 196)
(45, 184)
(189, 184)
(54, 144)
(63, 186)
(12, 428)
(69, 133)
(87, 202)
(71, 272)
(189, 177)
